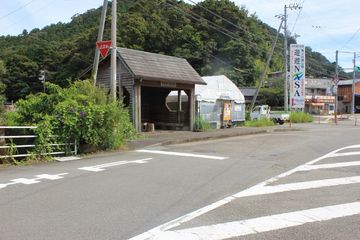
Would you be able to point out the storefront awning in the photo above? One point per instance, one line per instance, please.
(318, 104)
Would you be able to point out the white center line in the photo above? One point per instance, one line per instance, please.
(181, 154)
(99, 168)
(262, 224)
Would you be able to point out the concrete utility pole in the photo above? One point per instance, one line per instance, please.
(113, 51)
(286, 96)
(99, 38)
(266, 67)
(353, 86)
(337, 78)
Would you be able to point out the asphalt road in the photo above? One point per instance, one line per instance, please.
(287, 185)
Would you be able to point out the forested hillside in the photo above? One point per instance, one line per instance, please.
(235, 45)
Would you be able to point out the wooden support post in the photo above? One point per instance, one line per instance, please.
(179, 107)
(192, 108)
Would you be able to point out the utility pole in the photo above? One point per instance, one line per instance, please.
(337, 78)
(286, 96)
(113, 51)
(99, 38)
(266, 67)
(286, 101)
(353, 86)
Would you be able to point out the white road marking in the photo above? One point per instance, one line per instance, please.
(26, 181)
(185, 218)
(29, 181)
(99, 168)
(329, 166)
(51, 177)
(263, 224)
(262, 190)
(65, 159)
(181, 154)
(345, 154)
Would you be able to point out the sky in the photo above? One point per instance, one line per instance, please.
(323, 25)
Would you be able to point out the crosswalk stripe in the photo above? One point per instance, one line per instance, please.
(329, 166)
(263, 190)
(262, 224)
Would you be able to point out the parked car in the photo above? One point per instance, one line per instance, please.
(263, 111)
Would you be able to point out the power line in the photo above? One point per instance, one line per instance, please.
(214, 26)
(37, 10)
(196, 17)
(317, 26)
(353, 36)
(297, 17)
(208, 51)
(17, 9)
(217, 15)
(215, 57)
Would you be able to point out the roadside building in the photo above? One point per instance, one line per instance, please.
(319, 97)
(146, 81)
(220, 102)
(248, 93)
(345, 96)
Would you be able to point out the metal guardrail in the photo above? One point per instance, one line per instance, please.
(7, 146)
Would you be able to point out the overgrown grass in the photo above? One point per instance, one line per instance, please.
(301, 117)
(201, 125)
(264, 122)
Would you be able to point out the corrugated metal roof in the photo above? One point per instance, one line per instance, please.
(152, 66)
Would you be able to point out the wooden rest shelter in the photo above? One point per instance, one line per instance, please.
(146, 81)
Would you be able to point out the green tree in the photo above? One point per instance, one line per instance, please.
(21, 77)
(211, 44)
(2, 90)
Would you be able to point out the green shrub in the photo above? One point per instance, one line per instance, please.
(247, 116)
(2, 101)
(264, 122)
(201, 125)
(81, 113)
(301, 117)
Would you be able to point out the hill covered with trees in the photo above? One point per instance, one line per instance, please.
(215, 36)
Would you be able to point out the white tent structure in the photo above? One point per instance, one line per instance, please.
(220, 102)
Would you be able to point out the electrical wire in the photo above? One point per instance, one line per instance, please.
(37, 10)
(215, 26)
(17, 9)
(217, 15)
(196, 17)
(297, 17)
(353, 36)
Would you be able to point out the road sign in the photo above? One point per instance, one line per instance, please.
(335, 80)
(297, 76)
(104, 47)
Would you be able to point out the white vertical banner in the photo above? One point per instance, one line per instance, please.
(297, 76)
